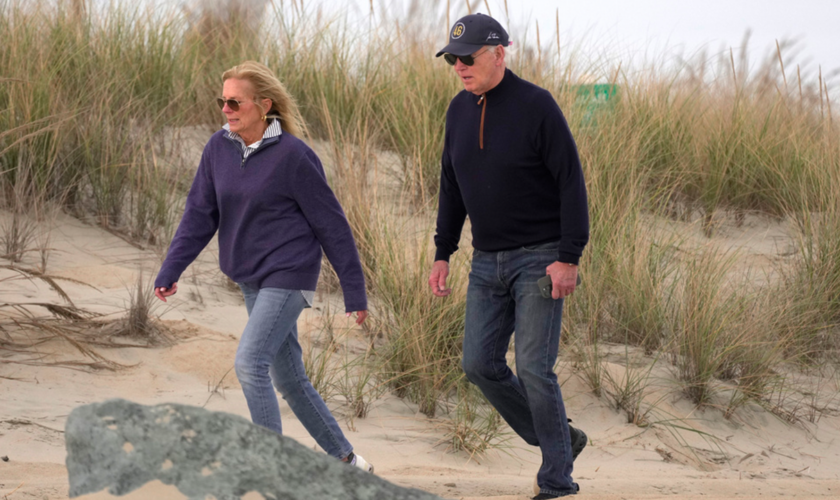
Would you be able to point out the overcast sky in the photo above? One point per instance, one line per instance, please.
(640, 30)
(692, 25)
(658, 27)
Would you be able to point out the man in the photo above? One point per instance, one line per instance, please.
(511, 164)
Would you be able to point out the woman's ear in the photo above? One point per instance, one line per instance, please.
(266, 106)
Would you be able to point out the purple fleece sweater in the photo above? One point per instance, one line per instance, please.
(274, 212)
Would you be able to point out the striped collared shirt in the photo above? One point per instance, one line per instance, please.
(273, 130)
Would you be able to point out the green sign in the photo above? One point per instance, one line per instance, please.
(590, 99)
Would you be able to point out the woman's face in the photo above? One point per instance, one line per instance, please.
(247, 121)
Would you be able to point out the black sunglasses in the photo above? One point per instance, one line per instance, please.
(233, 104)
(468, 60)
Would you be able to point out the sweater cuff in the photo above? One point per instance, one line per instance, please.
(568, 258)
(355, 300)
(441, 254)
(165, 279)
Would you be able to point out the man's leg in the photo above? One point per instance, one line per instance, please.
(489, 326)
(537, 340)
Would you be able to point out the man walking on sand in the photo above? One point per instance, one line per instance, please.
(510, 163)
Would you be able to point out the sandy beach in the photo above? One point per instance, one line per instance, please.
(752, 455)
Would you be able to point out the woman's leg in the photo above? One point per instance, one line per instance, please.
(290, 379)
(273, 314)
(269, 352)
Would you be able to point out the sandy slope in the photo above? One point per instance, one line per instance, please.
(750, 456)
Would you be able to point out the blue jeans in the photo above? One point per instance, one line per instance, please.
(269, 352)
(503, 298)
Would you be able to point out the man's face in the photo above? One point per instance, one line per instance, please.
(478, 78)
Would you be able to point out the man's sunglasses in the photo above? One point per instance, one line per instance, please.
(233, 104)
(468, 60)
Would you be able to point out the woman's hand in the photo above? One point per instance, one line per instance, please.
(163, 292)
(360, 316)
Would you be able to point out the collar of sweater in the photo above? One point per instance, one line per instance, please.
(501, 91)
(273, 130)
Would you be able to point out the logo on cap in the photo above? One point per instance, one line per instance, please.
(458, 30)
(493, 36)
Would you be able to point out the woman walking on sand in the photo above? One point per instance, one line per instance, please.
(266, 193)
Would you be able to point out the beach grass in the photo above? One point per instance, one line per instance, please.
(94, 102)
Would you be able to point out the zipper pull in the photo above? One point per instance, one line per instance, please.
(481, 127)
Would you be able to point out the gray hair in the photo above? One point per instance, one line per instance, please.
(509, 51)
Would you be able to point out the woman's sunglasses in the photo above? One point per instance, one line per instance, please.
(468, 60)
(233, 104)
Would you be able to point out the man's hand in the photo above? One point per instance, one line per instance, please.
(437, 279)
(163, 292)
(360, 316)
(563, 279)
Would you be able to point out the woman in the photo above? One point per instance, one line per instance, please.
(266, 193)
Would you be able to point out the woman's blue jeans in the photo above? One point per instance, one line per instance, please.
(268, 353)
(503, 298)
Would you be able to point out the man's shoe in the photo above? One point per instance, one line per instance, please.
(579, 440)
(361, 463)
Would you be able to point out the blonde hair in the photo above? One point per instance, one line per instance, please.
(268, 86)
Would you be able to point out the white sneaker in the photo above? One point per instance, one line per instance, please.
(361, 463)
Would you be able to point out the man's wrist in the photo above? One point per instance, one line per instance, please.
(568, 258)
(441, 254)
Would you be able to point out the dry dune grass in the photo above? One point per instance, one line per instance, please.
(94, 101)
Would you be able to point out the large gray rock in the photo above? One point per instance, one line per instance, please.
(123, 445)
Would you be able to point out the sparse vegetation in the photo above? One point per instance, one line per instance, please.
(26, 326)
(139, 322)
(474, 426)
(93, 104)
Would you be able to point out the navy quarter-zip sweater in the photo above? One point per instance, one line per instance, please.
(515, 171)
(274, 212)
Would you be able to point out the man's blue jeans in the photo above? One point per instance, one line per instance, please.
(269, 352)
(503, 298)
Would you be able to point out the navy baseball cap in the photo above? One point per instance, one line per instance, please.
(472, 32)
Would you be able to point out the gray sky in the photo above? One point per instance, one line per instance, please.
(636, 31)
(660, 25)
(653, 29)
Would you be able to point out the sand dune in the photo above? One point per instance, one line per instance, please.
(753, 455)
